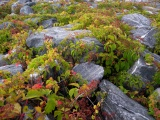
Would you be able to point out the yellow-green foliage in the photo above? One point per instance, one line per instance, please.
(65, 93)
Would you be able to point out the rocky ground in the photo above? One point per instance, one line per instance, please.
(79, 60)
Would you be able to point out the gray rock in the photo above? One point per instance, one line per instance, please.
(56, 5)
(3, 2)
(89, 71)
(157, 93)
(3, 62)
(155, 56)
(24, 1)
(30, 3)
(140, 68)
(14, 6)
(6, 25)
(143, 69)
(145, 36)
(13, 69)
(49, 23)
(34, 20)
(143, 30)
(136, 0)
(26, 10)
(151, 10)
(136, 20)
(56, 33)
(118, 106)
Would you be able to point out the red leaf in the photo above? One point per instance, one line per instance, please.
(37, 86)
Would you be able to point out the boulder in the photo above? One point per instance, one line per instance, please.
(26, 10)
(89, 71)
(118, 106)
(6, 25)
(49, 23)
(24, 1)
(3, 62)
(143, 30)
(143, 69)
(137, 0)
(57, 34)
(136, 20)
(30, 3)
(3, 2)
(13, 69)
(34, 20)
(151, 10)
(157, 93)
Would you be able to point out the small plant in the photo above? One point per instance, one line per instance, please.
(5, 38)
(154, 106)
(131, 81)
(149, 59)
(47, 8)
(73, 50)
(157, 46)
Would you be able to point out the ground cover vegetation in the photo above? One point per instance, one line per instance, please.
(66, 95)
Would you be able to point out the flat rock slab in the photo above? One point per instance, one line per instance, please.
(57, 34)
(118, 106)
(89, 71)
(143, 31)
(13, 69)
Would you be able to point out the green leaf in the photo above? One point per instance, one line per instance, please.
(2, 92)
(51, 103)
(73, 91)
(111, 37)
(113, 47)
(74, 84)
(58, 114)
(117, 67)
(1, 103)
(37, 93)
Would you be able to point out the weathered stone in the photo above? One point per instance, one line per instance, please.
(151, 10)
(136, 20)
(15, 6)
(143, 30)
(145, 36)
(140, 68)
(144, 70)
(89, 71)
(3, 2)
(34, 20)
(137, 0)
(118, 106)
(26, 10)
(155, 56)
(49, 23)
(157, 94)
(30, 3)
(6, 25)
(3, 62)
(57, 34)
(24, 1)
(13, 69)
